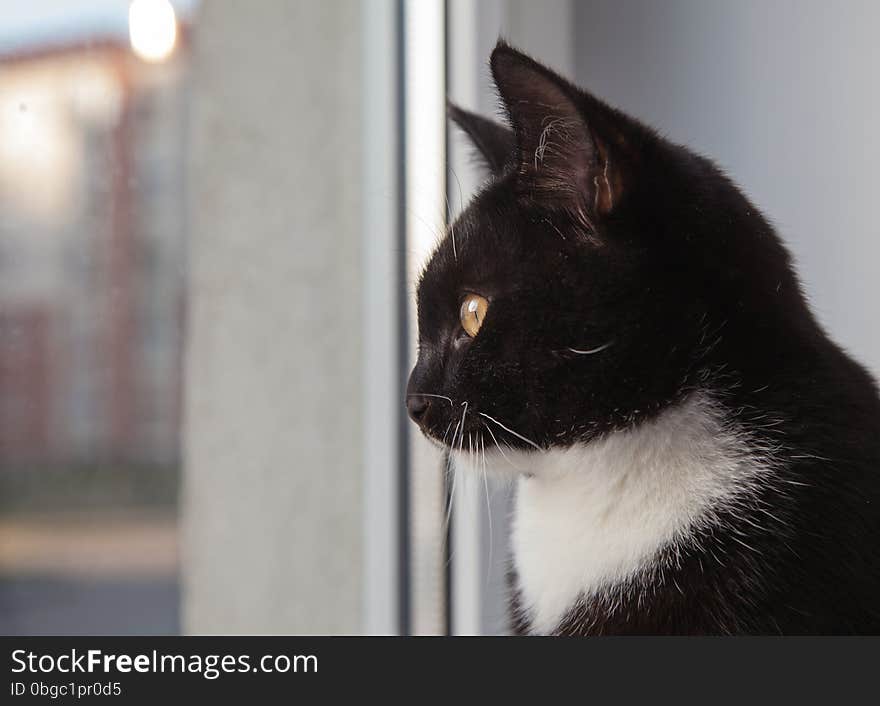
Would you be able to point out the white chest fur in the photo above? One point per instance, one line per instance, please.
(591, 516)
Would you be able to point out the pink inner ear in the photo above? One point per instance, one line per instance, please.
(606, 181)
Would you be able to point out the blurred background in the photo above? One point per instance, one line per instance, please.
(212, 218)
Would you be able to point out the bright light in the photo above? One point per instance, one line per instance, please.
(152, 28)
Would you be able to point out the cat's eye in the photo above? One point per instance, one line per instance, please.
(473, 311)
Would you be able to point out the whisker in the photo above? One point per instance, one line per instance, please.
(488, 506)
(500, 450)
(452, 443)
(448, 215)
(461, 436)
(428, 394)
(452, 235)
(592, 350)
(450, 469)
(511, 431)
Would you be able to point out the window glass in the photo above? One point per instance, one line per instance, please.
(92, 276)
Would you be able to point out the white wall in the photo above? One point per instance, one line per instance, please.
(272, 507)
(786, 97)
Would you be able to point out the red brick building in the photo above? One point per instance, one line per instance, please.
(92, 258)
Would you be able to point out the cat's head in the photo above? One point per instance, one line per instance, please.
(585, 285)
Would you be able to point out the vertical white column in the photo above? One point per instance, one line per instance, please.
(273, 473)
(425, 159)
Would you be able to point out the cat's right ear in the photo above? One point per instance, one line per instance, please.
(495, 143)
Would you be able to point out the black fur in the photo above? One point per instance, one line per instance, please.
(594, 231)
(494, 143)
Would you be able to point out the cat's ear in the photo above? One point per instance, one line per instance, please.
(494, 143)
(565, 138)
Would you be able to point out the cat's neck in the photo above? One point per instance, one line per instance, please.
(589, 518)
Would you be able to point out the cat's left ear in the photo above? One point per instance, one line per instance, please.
(567, 140)
(494, 143)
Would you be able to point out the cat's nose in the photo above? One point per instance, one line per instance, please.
(417, 406)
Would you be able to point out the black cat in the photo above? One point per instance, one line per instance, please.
(624, 330)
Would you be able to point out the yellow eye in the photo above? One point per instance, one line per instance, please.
(473, 311)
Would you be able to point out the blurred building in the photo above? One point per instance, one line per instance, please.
(92, 255)
(93, 107)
